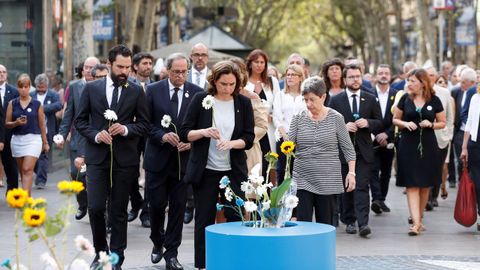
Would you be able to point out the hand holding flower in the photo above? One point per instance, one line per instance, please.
(211, 132)
(411, 126)
(361, 123)
(425, 124)
(183, 146)
(104, 137)
(352, 127)
(171, 138)
(116, 129)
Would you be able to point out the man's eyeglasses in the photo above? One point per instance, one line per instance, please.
(358, 77)
(100, 76)
(179, 72)
(199, 55)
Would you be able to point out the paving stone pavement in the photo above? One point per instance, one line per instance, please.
(445, 244)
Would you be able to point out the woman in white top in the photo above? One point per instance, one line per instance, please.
(471, 146)
(287, 103)
(266, 87)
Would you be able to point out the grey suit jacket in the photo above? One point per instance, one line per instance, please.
(77, 142)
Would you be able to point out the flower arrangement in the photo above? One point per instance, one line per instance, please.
(38, 225)
(272, 205)
(111, 116)
(167, 122)
(420, 145)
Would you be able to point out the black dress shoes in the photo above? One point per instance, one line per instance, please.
(385, 208)
(351, 229)
(364, 231)
(173, 264)
(116, 267)
(132, 215)
(81, 212)
(376, 207)
(188, 216)
(157, 254)
(146, 222)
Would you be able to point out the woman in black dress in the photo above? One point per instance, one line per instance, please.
(418, 113)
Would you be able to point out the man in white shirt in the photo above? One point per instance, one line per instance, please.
(199, 71)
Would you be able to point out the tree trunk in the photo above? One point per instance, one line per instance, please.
(426, 30)
(400, 31)
(129, 22)
(150, 8)
(82, 30)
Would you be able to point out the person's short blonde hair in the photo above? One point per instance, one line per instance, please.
(24, 80)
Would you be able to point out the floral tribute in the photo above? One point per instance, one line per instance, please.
(31, 213)
(267, 205)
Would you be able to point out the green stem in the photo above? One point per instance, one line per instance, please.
(52, 251)
(178, 153)
(17, 248)
(66, 224)
(287, 168)
(111, 165)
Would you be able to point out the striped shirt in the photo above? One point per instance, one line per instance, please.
(317, 166)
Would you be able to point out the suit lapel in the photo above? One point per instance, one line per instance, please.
(103, 93)
(185, 101)
(236, 107)
(363, 105)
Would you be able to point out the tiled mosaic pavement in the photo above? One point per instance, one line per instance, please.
(387, 263)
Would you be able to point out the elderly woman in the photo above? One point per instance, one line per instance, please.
(318, 133)
(220, 133)
(471, 146)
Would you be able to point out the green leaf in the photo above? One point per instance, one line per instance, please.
(52, 227)
(33, 237)
(278, 192)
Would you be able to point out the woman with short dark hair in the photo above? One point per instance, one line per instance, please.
(318, 133)
(219, 124)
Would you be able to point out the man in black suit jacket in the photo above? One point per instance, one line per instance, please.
(362, 117)
(8, 92)
(164, 184)
(128, 101)
(383, 144)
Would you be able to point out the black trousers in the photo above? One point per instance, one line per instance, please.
(82, 199)
(324, 206)
(382, 171)
(206, 195)
(99, 190)
(164, 188)
(356, 204)
(9, 165)
(136, 200)
(457, 147)
(473, 166)
(435, 190)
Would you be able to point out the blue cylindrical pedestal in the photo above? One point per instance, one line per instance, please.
(306, 246)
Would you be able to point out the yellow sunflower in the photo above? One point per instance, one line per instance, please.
(274, 155)
(36, 203)
(34, 217)
(70, 187)
(287, 147)
(17, 197)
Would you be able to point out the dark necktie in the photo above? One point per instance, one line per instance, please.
(354, 104)
(113, 104)
(174, 102)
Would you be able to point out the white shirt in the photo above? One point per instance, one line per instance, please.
(202, 74)
(180, 94)
(41, 97)
(285, 106)
(3, 89)
(473, 118)
(382, 99)
(445, 135)
(350, 99)
(110, 88)
(223, 119)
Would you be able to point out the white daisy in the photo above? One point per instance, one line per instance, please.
(84, 245)
(228, 194)
(207, 102)
(250, 206)
(58, 139)
(166, 121)
(291, 201)
(110, 115)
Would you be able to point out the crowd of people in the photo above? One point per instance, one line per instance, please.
(178, 136)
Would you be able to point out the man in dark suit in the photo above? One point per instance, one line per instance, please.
(163, 186)
(127, 100)
(468, 79)
(8, 92)
(66, 127)
(383, 144)
(142, 65)
(363, 117)
(51, 104)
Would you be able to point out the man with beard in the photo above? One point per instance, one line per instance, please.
(142, 68)
(383, 143)
(66, 127)
(104, 180)
(199, 71)
(363, 117)
(51, 104)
